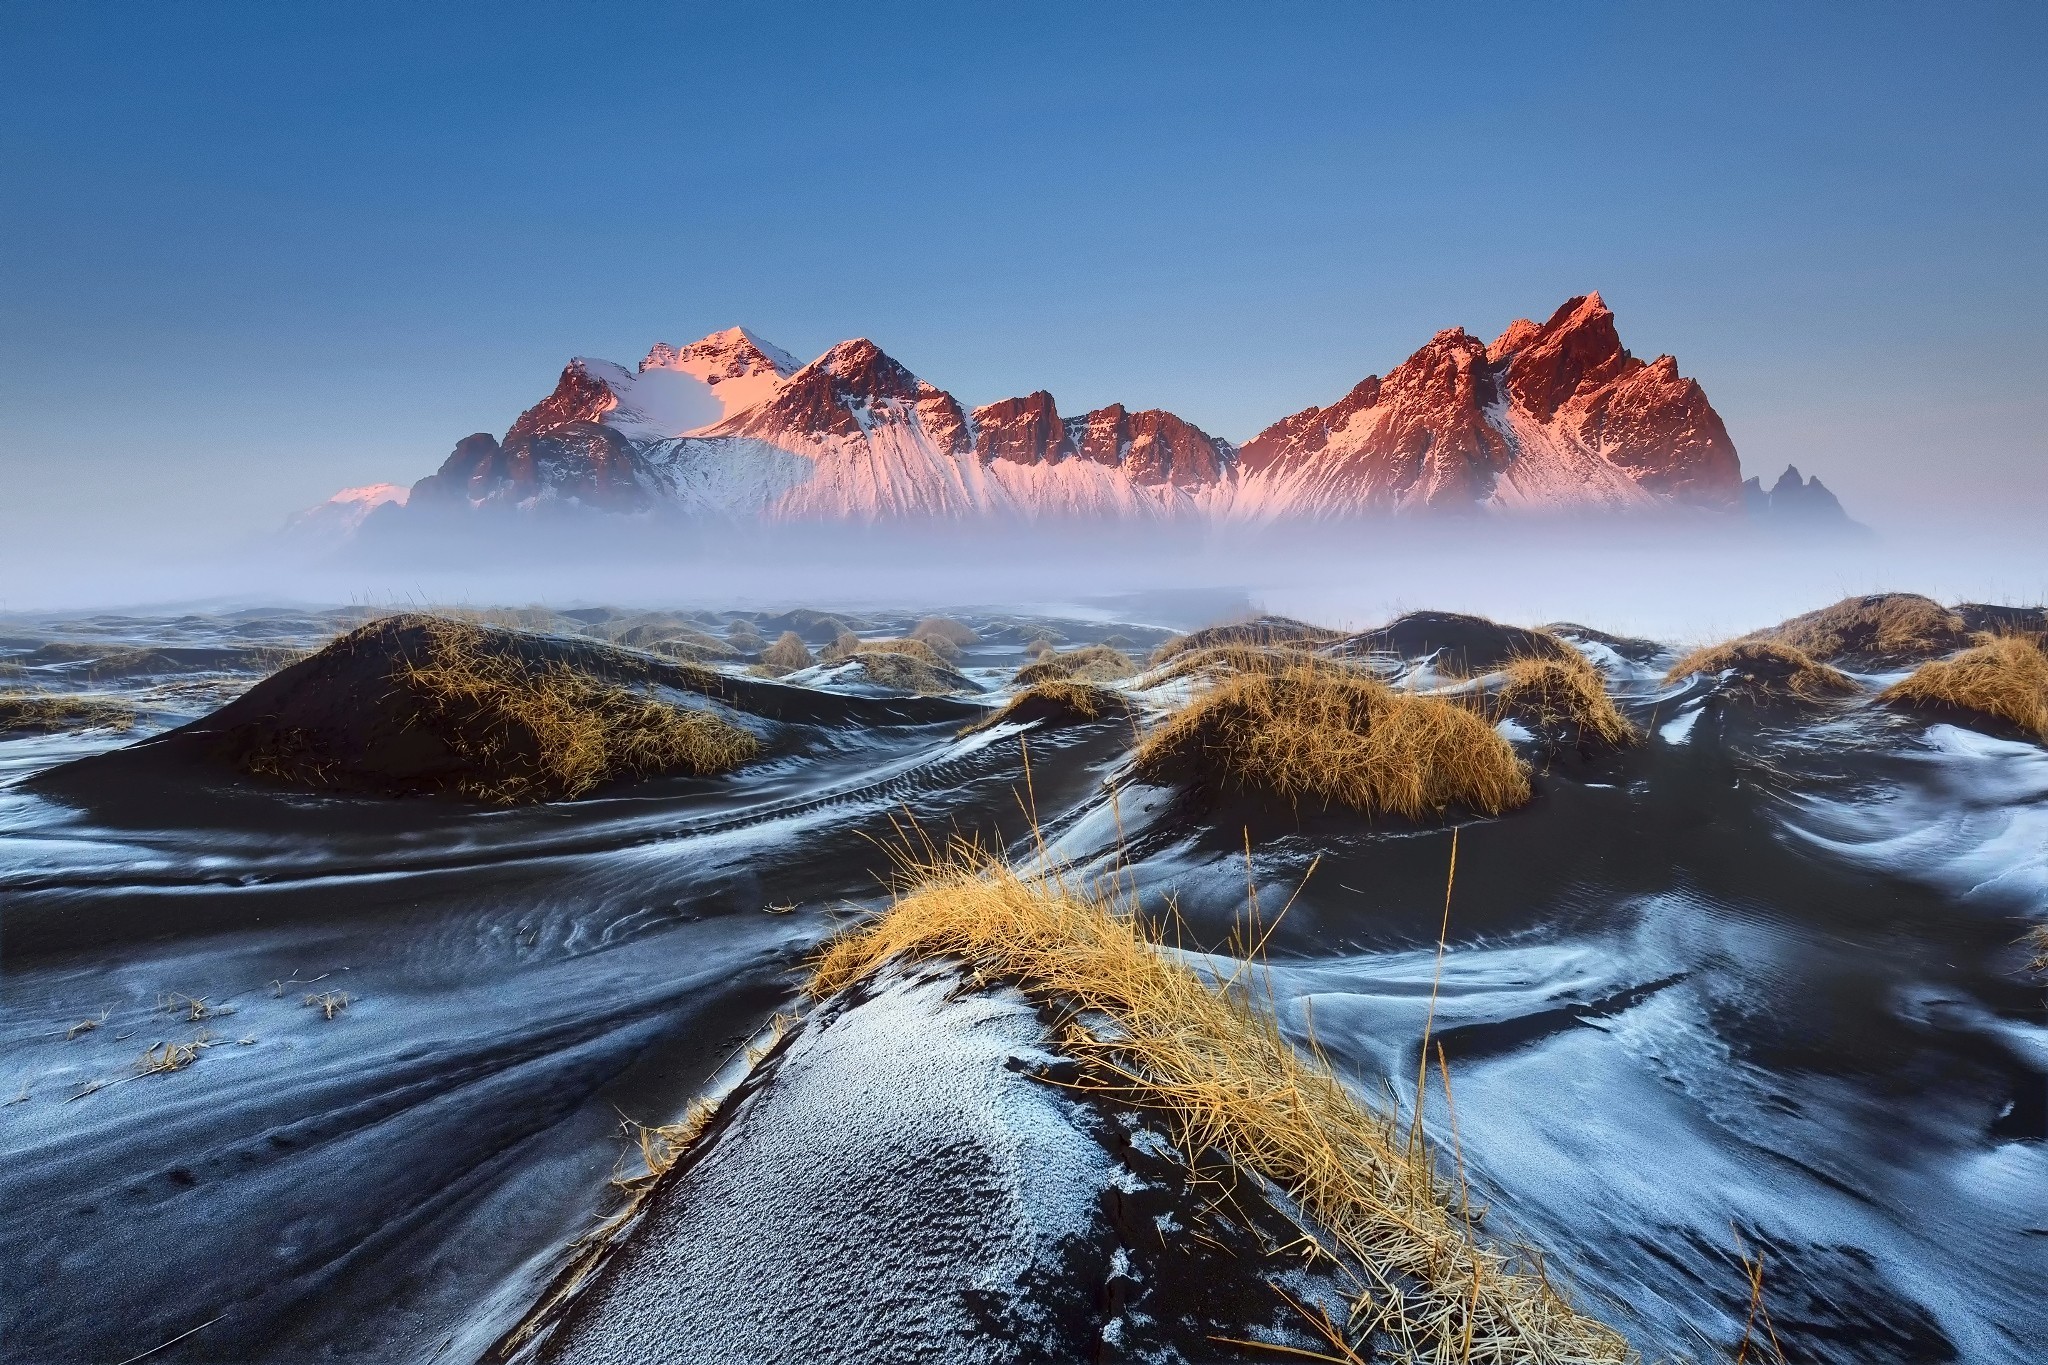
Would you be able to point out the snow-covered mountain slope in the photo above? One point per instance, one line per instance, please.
(1551, 417)
(674, 392)
(340, 516)
(1557, 417)
(855, 435)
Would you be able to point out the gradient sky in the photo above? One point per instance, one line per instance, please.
(255, 253)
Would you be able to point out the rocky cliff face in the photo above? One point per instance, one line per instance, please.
(1555, 416)
(1024, 430)
(1558, 415)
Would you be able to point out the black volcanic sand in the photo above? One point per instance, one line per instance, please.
(346, 707)
(1462, 644)
(1759, 971)
(1009, 1220)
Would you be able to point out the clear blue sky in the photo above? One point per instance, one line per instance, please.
(253, 253)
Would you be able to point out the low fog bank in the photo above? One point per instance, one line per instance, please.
(1674, 581)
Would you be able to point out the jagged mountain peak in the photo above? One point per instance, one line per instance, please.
(675, 392)
(733, 353)
(1517, 335)
(1556, 415)
(1577, 350)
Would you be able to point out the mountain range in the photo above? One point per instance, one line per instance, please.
(1554, 417)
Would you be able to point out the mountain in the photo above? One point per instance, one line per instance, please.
(342, 515)
(1796, 503)
(1550, 417)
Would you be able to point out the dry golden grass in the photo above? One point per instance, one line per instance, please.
(905, 665)
(1334, 735)
(1057, 700)
(906, 672)
(2037, 944)
(1149, 1031)
(193, 1007)
(937, 644)
(1552, 694)
(1767, 669)
(1883, 626)
(788, 654)
(1048, 669)
(2006, 677)
(42, 713)
(1270, 632)
(849, 645)
(541, 733)
(164, 1058)
(1090, 663)
(955, 633)
(329, 1003)
(523, 731)
(1226, 659)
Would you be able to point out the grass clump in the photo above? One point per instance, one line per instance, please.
(958, 634)
(1339, 737)
(44, 713)
(1227, 659)
(422, 704)
(1883, 628)
(550, 732)
(1090, 663)
(163, 1058)
(920, 650)
(788, 654)
(874, 657)
(329, 1003)
(1567, 698)
(1264, 631)
(2006, 677)
(904, 671)
(1057, 701)
(904, 665)
(1766, 671)
(1148, 1030)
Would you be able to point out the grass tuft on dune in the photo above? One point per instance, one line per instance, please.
(1564, 694)
(947, 632)
(1332, 734)
(1057, 701)
(906, 665)
(1090, 663)
(788, 654)
(519, 730)
(43, 713)
(1891, 627)
(2006, 677)
(849, 646)
(1263, 631)
(1150, 1031)
(1214, 660)
(1765, 670)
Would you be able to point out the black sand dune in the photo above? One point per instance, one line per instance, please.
(1465, 644)
(1760, 969)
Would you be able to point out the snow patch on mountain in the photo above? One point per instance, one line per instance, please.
(1551, 469)
(680, 391)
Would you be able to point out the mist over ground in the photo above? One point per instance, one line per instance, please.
(1670, 580)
